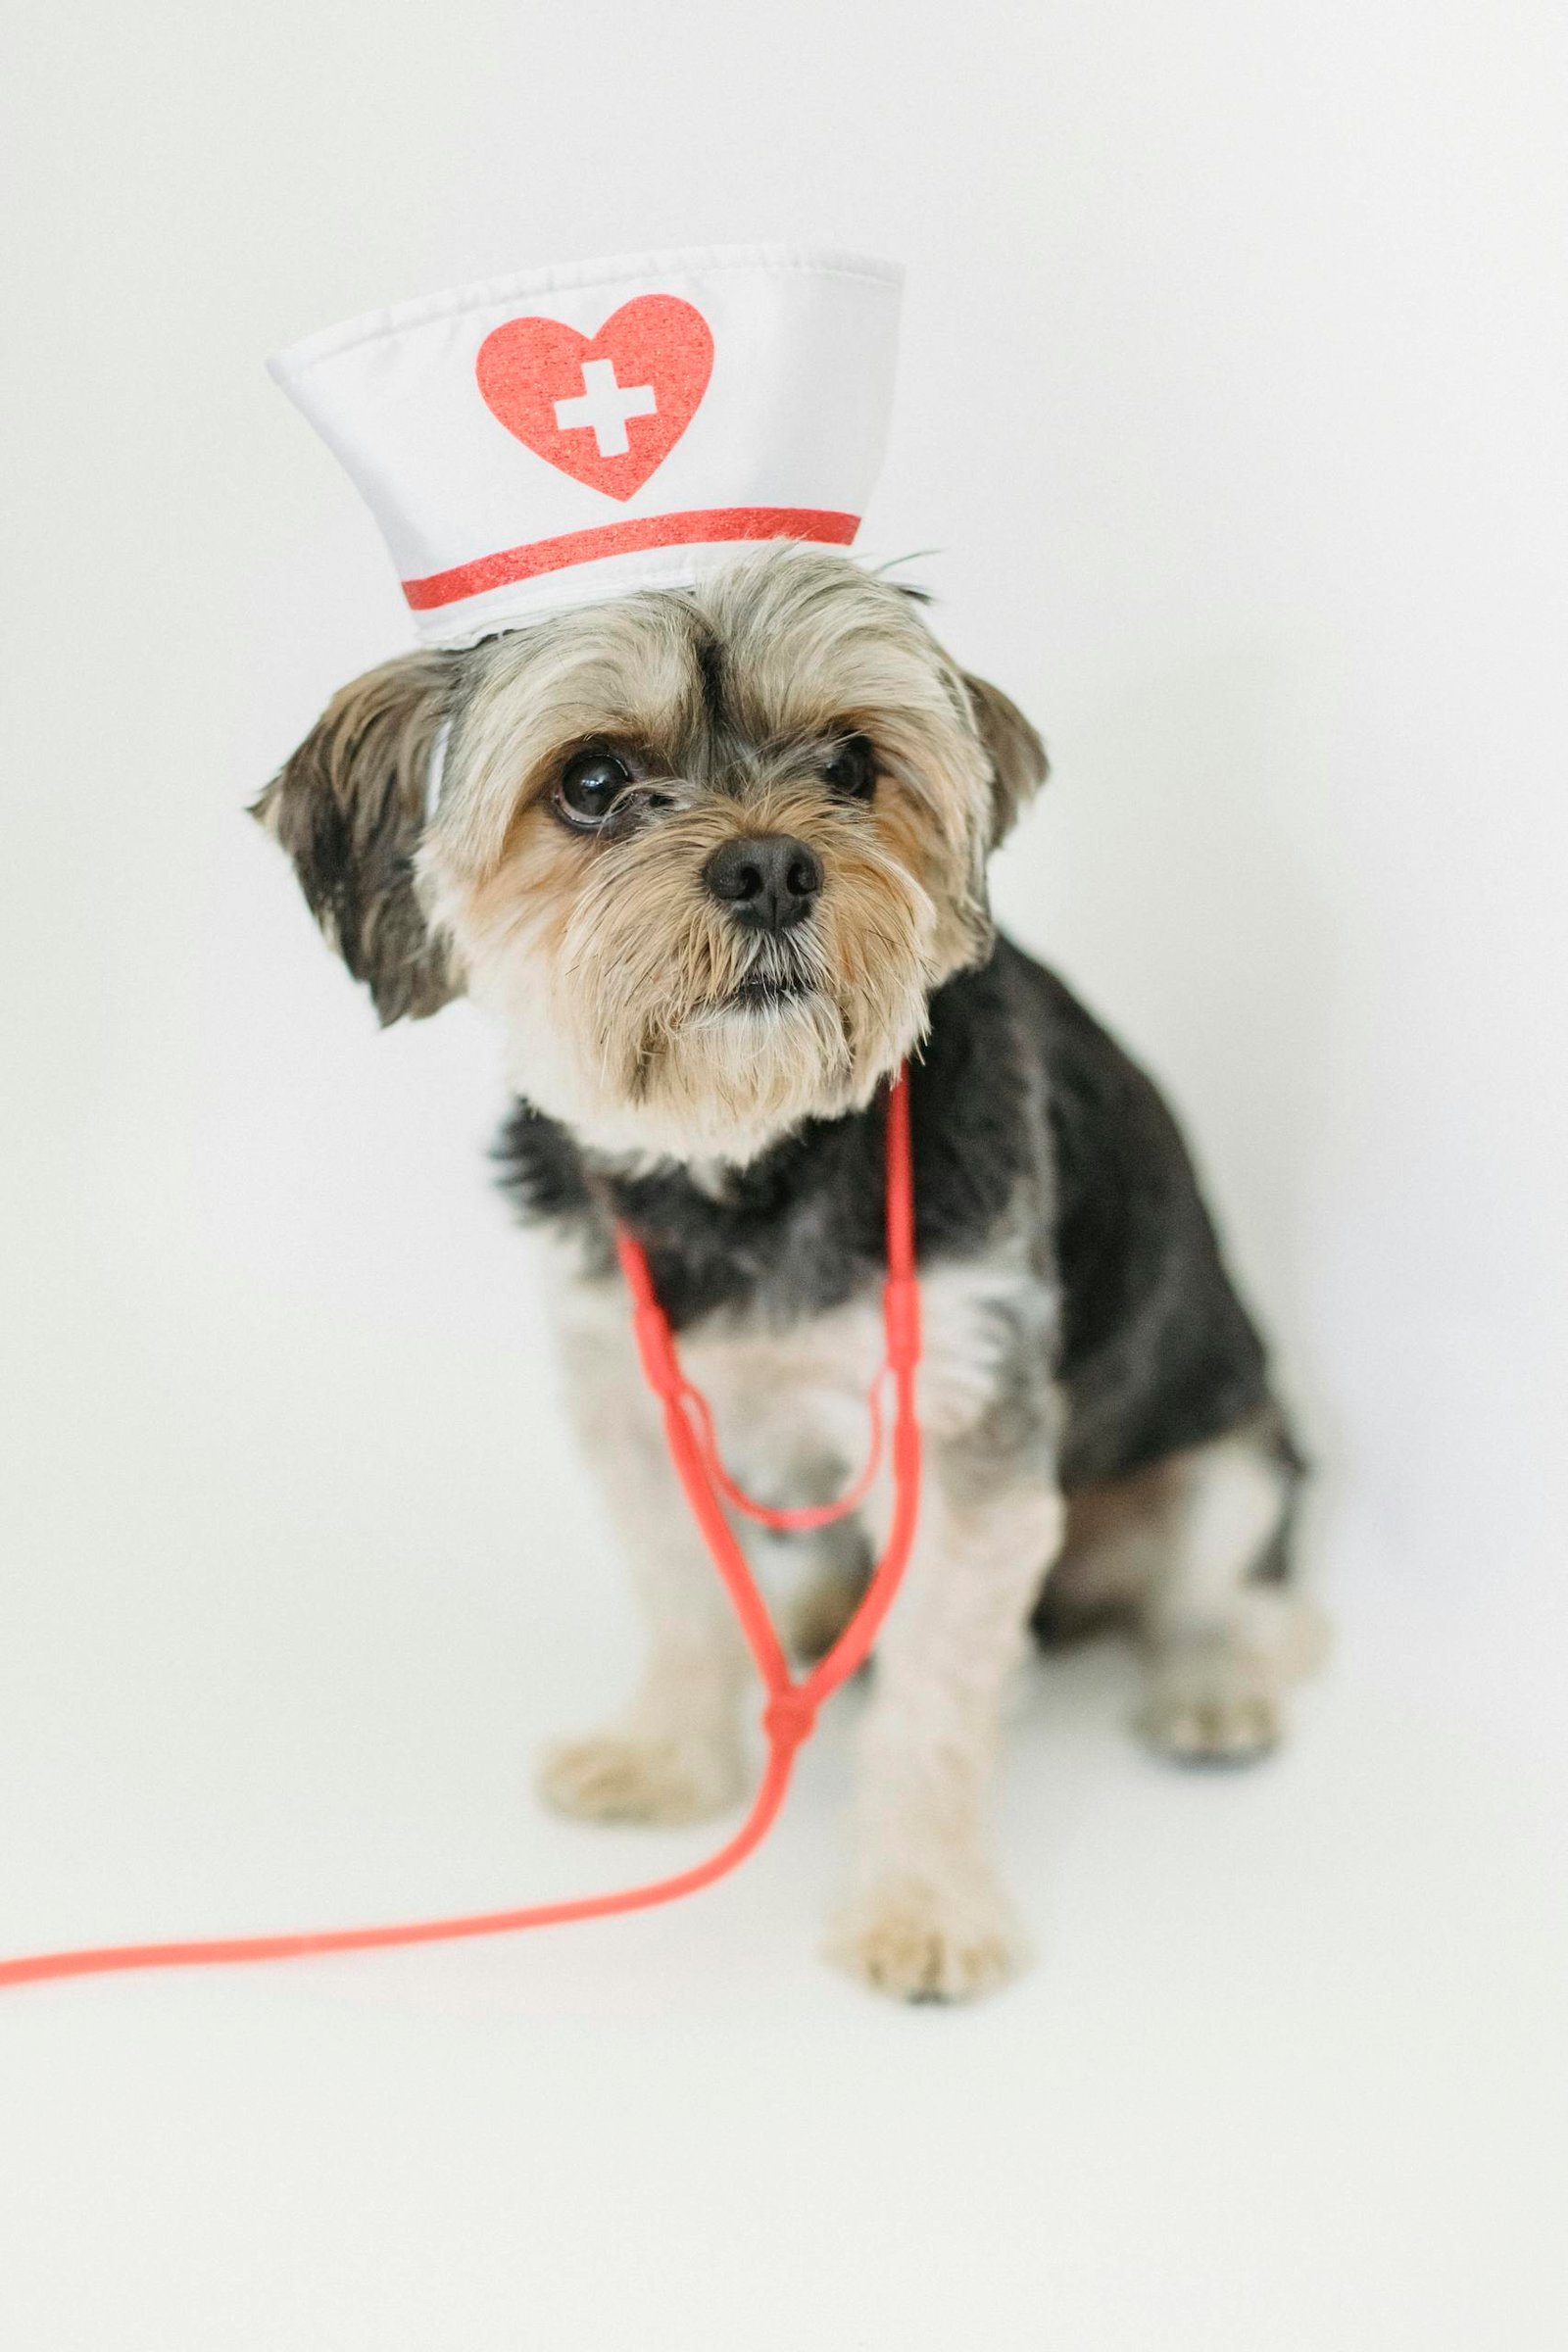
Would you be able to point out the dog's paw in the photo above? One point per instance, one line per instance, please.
(1211, 1702)
(930, 1940)
(622, 1776)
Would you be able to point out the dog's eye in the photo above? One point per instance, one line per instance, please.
(589, 786)
(852, 771)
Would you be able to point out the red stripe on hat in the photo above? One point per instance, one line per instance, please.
(703, 526)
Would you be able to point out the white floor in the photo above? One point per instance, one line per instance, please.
(1289, 2070)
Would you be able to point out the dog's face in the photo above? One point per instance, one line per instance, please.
(704, 853)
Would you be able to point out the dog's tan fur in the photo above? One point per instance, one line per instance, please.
(610, 968)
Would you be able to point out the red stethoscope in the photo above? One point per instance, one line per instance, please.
(789, 1712)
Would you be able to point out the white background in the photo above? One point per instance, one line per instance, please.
(1232, 400)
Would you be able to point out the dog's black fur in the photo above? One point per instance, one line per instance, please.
(1153, 1349)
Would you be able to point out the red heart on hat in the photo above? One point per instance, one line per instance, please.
(607, 408)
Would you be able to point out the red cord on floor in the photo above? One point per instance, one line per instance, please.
(789, 1712)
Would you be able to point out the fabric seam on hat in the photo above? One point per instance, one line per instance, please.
(374, 326)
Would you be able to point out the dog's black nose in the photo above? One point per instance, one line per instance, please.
(767, 880)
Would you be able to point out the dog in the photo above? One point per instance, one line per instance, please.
(715, 859)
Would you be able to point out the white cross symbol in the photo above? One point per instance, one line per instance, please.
(606, 406)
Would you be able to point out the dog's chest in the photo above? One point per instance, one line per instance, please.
(793, 1402)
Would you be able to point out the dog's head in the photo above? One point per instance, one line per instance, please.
(703, 852)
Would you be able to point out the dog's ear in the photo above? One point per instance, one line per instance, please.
(348, 808)
(1019, 763)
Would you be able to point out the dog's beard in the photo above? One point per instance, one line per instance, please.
(638, 1013)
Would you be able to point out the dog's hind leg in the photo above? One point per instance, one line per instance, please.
(838, 1568)
(1223, 1631)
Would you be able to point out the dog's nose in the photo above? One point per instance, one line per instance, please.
(767, 880)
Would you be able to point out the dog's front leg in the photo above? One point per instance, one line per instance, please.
(675, 1753)
(927, 1916)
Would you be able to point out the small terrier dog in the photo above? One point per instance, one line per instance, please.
(716, 859)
